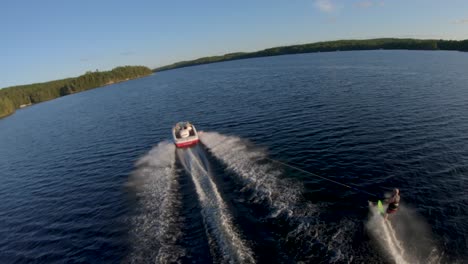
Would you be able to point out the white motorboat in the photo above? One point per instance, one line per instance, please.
(184, 134)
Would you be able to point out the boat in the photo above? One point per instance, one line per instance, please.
(184, 134)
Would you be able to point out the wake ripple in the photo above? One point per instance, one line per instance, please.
(385, 235)
(220, 230)
(283, 196)
(157, 225)
(404, 238)
(247, 164)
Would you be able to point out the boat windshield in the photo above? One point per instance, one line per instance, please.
(182, 125)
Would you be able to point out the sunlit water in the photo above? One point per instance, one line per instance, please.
(93, 177)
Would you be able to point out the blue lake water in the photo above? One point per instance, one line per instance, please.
(93, 177)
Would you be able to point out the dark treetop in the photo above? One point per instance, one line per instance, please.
(368, 44)
(15, 97)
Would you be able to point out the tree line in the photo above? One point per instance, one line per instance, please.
(12, 98)
(338, 45)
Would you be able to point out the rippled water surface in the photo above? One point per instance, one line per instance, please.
(93, 177)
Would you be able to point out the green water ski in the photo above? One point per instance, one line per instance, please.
(380, 207)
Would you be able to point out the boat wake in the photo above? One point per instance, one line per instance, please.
(405, 238)
(263, 180)
(182, 214)
(156, 227)
(226, 244)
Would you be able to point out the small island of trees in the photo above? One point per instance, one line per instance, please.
(15, 97)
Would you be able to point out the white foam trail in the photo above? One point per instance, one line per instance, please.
(405, 237)
(282, 195)
(252, 167)
(394, 239)
(156, 227)
(411, 244)
(216, 217)
(384, 234)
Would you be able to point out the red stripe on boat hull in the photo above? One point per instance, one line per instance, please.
(187, 143)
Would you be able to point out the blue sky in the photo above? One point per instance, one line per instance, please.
(52, 39)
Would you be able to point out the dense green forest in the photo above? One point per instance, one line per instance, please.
(12, 98)
(368, 44)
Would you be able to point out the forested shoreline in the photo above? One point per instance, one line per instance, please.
(15, 97)
(12, 98)
(327, 46)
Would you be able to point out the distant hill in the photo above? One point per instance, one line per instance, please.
(12, 98)
(368, 44)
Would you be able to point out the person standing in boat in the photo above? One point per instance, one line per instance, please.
(393, 203)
